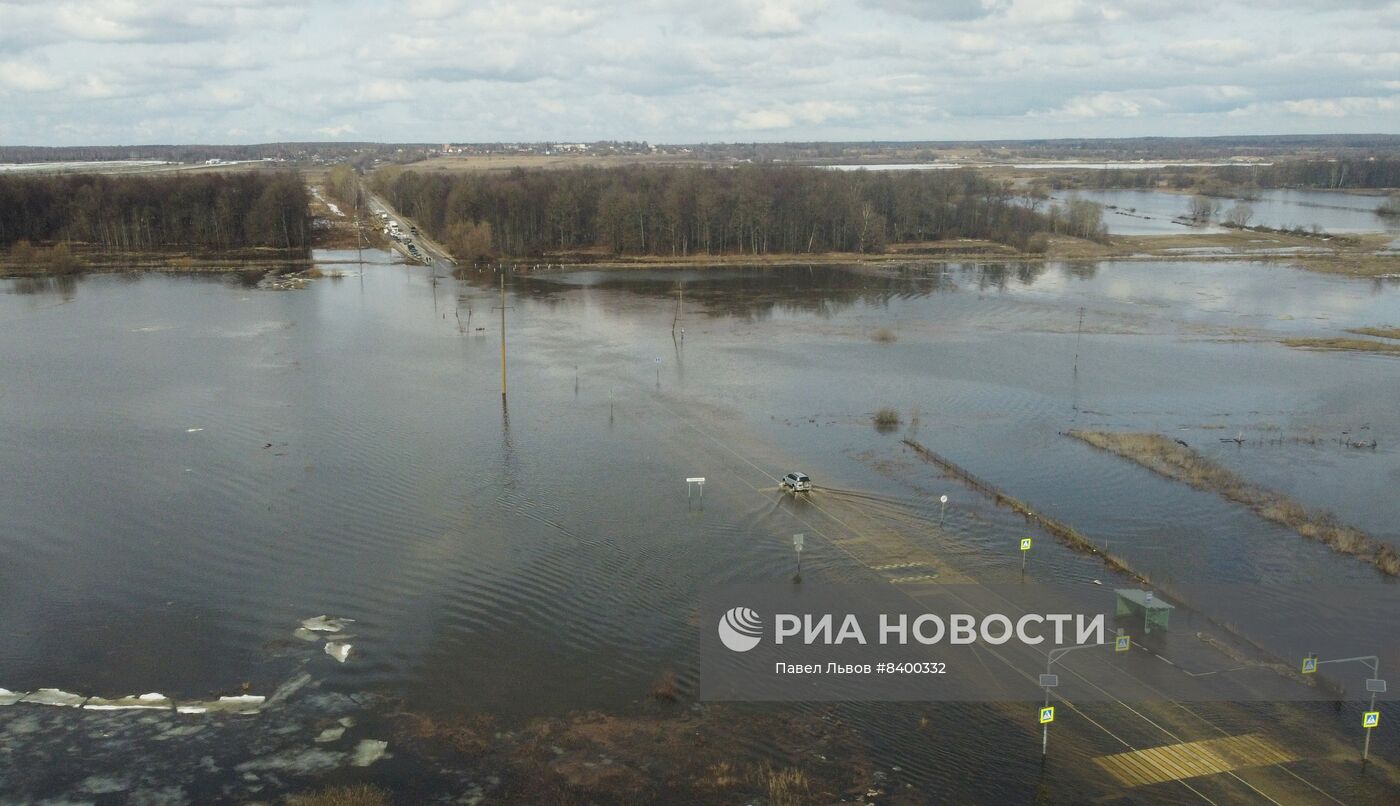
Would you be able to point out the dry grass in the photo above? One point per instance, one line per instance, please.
(884, 335)
(723, 775)
(666, 688)
(1378, 332)
(1344, 345)
(358, 795)
(886, 419)
(1168, 458)
(786, 787)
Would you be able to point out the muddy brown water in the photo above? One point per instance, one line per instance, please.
(193, 466)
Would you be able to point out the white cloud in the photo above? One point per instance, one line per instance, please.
(680, 71)
(27, 77)
(788, 115)
(335, 132)
(1342, 107)
(1100, 105)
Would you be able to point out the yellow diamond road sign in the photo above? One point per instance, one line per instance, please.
(1122, 643)
(1025, 544)
(1370, 719)
(1309, 665)
(1047, 714)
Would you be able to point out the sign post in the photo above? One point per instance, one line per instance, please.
(1371, 718)
(1048, 681)
(797, 544)
(942, 508)
(697, 480)
(1025, 549)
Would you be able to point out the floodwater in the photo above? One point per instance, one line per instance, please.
(1117, 165)
(1153, 212)
(194, 465)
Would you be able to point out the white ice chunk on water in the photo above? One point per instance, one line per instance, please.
(242, 704)
(368, 751)
(330, 735)
(289, 688)
(153, 700)
(53, 696)
(305, 634)
(8, 697)
(326, 623)
(338, 650)
(193, 430)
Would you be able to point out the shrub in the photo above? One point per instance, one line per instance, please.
(886, 419)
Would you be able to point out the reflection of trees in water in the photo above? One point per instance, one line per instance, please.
(999, 275)
(65, 285)
(760, 293)
(755, 293)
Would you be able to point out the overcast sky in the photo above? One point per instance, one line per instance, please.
(236, 71)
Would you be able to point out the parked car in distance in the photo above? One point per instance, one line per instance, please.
(796, 483)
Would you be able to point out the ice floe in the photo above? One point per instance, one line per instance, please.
(54, 696)
(152, 700)
(8, 697)
(330, 735)
(326, 624)
(368, 751)
(338, 650)
(241, 704)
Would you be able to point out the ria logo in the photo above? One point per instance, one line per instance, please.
(740, 629)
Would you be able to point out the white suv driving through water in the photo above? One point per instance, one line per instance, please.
(796, 483)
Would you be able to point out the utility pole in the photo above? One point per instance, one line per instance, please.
(503, 334)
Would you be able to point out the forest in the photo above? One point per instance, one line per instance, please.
(215, 211)
(749, 209)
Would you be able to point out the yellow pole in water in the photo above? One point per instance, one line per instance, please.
(503, 334)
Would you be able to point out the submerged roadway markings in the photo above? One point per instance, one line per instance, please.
(1157, 765)
(1163, 729)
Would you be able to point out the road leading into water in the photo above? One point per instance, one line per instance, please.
(1219, 752)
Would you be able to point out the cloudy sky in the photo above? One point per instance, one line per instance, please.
(235, 71)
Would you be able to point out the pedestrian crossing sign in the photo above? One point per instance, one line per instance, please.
(1370, 719)
(1047, 714)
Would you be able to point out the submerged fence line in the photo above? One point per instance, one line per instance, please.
(1072, 537)
(1078, 541)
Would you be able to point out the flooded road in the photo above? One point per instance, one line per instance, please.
(195, 466)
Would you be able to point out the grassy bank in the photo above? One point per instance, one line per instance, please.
(1345, 345)
(1378, 332)
(70, 259)
(1175, 461)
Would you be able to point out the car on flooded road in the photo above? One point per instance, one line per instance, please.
(796, 483)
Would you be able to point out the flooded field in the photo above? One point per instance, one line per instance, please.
(196, 466)
(1153, 212)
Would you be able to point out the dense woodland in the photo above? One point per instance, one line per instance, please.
(694, 210)
(210, 211)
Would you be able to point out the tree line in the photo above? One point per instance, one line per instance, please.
(212, 211)
(750, 209)
(1362, 173)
